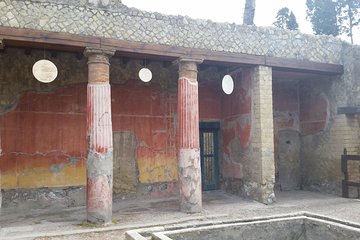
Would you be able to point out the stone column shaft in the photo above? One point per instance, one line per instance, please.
(100, 139)
(188, 137)
(263, 172)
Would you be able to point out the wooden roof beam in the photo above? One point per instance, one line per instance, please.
(299, 65)
(71, 42)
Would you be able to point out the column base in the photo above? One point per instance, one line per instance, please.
(263, 193)
(190, 181)
(99, 187)
(100, 217)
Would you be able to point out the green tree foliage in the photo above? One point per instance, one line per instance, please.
(286, 19)
(292, 23)
(348, 16)
(281, 18)
(323, 16)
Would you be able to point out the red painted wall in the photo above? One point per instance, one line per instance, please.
(299, 107)
(236, 111)
(210, 101)
(43, 140)
(149, 112)
(313, 109)
(285, 105)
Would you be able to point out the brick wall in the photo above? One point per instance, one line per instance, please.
(262, 171)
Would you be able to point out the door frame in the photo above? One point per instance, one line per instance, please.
(210, 127)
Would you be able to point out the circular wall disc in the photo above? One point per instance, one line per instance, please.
(227, 84)
(45, 71)
(145, 75)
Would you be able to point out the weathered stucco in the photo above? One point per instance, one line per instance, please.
(289, 165)
(248, 147)
(32, 158)
(301, 109)
(125, 170)
(323, 133)
(236, 127)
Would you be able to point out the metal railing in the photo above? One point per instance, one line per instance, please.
(350, 167)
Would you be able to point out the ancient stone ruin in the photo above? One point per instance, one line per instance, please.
(98, 127)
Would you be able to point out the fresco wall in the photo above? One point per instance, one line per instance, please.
(301, 111)
(43, 126)
(43, 139)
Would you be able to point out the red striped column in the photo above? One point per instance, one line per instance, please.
(188, 137)
(99, 131)
(1, 47)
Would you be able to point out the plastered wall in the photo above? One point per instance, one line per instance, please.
(43, 139)
(43, 126)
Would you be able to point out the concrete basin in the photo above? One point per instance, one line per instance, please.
(301, 226)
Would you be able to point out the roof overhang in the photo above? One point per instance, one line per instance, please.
(14, 37)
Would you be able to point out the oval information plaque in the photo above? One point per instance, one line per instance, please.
(45, 71)
(145, 75)
(228, 84)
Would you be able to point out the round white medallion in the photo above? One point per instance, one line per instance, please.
(227, 84)
(145, 75)
(45, 71)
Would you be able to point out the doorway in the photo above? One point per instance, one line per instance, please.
(209, 153)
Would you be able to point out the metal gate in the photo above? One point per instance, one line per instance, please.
(209, 152)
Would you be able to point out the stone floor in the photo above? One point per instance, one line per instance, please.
(60, 223)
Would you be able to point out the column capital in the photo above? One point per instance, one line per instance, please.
(188, 68)
(98, 62)
(190, 59)
(99, 51)
(2, 44)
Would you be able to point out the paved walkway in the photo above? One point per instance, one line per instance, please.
(60, 223)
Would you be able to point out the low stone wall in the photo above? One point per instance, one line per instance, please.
(285, 227)
(44, 197)
(106, 4)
